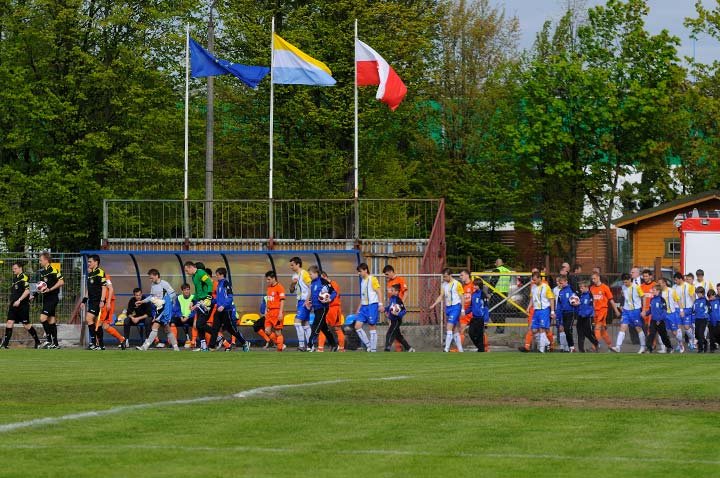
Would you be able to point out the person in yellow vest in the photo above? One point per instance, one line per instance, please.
(502, 285)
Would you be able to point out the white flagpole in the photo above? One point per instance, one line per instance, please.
(271, 225)
(355, 162)
(187, 140)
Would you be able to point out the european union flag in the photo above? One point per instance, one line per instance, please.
(205, 64)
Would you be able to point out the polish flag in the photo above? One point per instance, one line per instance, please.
(372, 69)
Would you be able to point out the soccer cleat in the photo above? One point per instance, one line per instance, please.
(334, 348)
(411, 349)
(246, 346)
(123, 345)
(46, 345)
(447, 351)
(302, 349)
(97, 348)
(642, 350)
(267, 345)
(197, 350)
(160, 345)
(141, 348)
(176, 348)
(187, 344)
(387, 349)
(571, 350)
(541, 349)
(615, 349)
(312, 349)
(37, 345)
(55, 347)
(523, 349)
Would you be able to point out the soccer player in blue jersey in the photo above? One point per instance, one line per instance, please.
(452, 295)
(321, 294)
(714, 319)
(395, 310)
(225, 313)
(585, 314)
(480, 316)
(700, 316)
(565, 314)
(658, 313)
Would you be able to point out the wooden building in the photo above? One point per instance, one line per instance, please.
(652, 233)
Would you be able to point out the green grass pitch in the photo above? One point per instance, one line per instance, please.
(435, 415)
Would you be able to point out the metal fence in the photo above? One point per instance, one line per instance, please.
(285, 219)
(71, 268)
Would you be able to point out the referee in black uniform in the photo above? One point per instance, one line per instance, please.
(19, 310)
(51, 296)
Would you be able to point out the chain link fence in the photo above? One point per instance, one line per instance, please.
(70, 266)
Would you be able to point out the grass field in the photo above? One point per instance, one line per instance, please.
(356, 414)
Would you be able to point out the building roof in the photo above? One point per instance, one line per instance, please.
(680, 203)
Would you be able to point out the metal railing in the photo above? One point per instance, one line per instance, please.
(263, 219)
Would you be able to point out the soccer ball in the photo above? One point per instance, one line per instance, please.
(574, 300)
(395, 309)
(42, 286)
(324, 297)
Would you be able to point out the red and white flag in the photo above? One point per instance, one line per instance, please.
(372, 69)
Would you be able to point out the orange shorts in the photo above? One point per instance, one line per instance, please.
(465, 320)
(273, 319)
(333, 317)
(600, 319)
(106, 315)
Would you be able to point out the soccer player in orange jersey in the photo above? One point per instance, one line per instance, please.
(468, 289)
(106, 317)
(274, 308)
(333, 318)
(602, 297)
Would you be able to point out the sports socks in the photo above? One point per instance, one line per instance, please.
(563, 341)
(448, 340)
(300, 335)
(363, 338)
(265, 336)
(100, 337)
(373, 341)
(308, 332)
(46, 328)
(620, 339)
(34, 335)
(458, 342)
(641, 336)
(113, 331)
(341, 338)
(8, 336)
(280, 342)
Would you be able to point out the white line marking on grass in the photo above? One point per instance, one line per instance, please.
(358, 452)
(9, 427)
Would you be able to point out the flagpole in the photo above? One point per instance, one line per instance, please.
(186, 216)
(271, 220)
(356, 199)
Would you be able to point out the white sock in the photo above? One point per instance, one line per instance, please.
(661, 345)
(691, 334)
(373, 340)
(308, 332)
(172, 339)
(538, 340)
(363, 337)
(641, 336)
(300, 335)
(679, 337)
(150, 339)
(458, 341)
(620, 339)
(448, 339)
(563, 341)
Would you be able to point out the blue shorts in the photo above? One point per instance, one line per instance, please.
(164, 315)
(540, 319)
(689, 319)
(368, 314)
(303, 314)
(453, 312)
(672, 321)
(632, 318)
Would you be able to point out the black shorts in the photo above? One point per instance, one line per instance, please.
(19, 314)
(177, 321)
(50, 302)
(93, 308)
